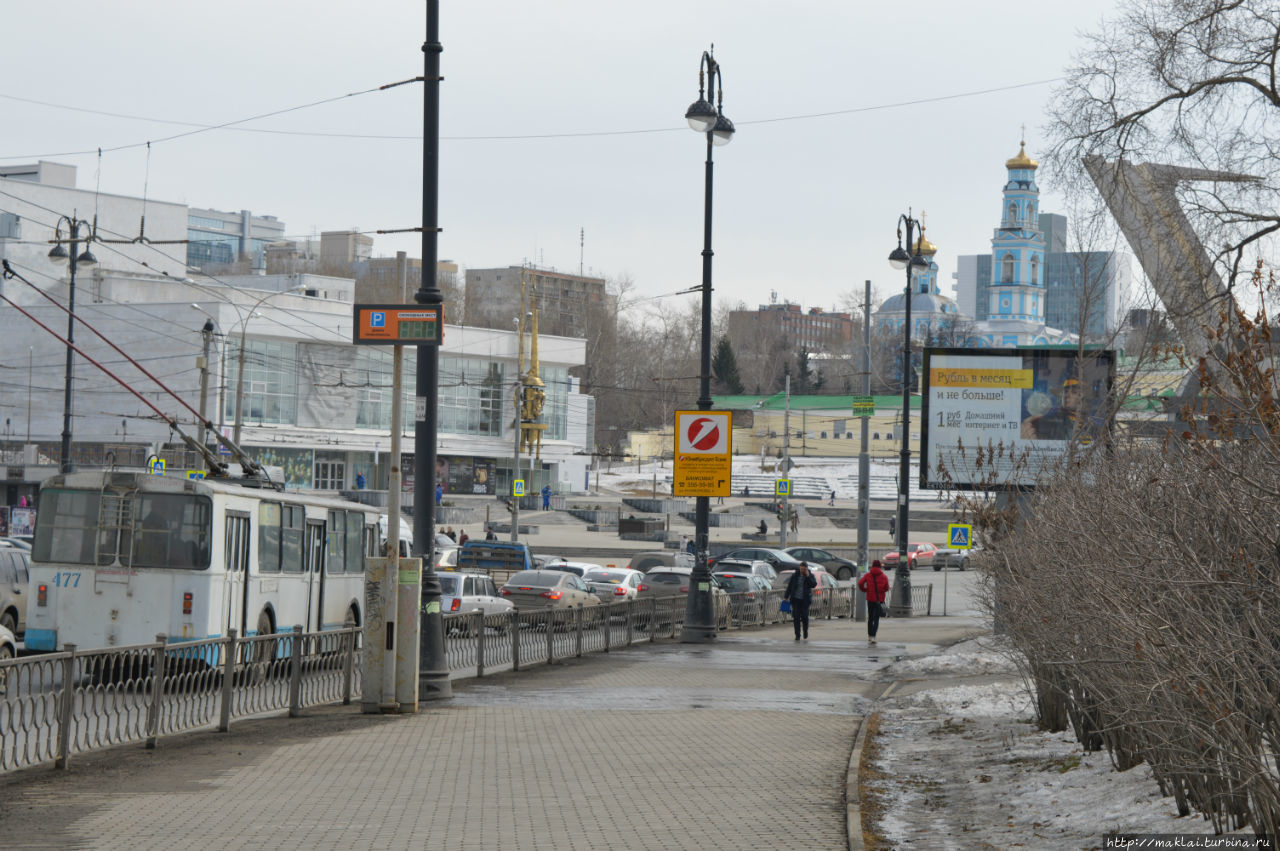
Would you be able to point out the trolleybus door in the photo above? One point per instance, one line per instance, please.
(235, 592)
(315, 575)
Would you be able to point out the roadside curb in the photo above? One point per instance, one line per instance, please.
(853, 791)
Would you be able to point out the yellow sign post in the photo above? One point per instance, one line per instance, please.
(703, 458)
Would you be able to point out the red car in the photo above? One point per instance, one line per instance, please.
(919, 554)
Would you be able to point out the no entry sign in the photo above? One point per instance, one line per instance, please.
(703, 457)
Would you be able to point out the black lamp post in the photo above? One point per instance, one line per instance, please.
(900, 605)
(58, 254)
(699, 613)
(433, 670)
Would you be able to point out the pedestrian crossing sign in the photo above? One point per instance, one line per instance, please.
(517, 488)
(156, 466)
(960, 536)
(782, 487)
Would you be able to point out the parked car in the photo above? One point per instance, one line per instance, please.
(577, 568)
(8, 650)
(541, 562)
(759, 568)
(840, 568)
(463, 591)
(613, 584)
(919, 554)
(547, 589)
(780, 559)
(646, 561)
(828, 597)
(747, 593)
(674, 581)
(15, 564)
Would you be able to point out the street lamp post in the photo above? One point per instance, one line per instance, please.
(433, 667)
(58, 254)
(244, 327)
(900, 605)
(699, 614)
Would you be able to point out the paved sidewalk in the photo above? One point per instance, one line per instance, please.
(728, 745)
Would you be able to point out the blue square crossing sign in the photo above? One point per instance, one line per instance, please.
(960, 536)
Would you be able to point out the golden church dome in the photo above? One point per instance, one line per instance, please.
(1021, 160)
(925, 247)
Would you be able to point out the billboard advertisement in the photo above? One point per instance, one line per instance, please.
(1030, 405)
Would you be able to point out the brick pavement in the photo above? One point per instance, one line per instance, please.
(741, 744)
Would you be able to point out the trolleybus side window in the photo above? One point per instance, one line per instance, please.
(335, 547)
(292, 520)
(355, 542)
(269, 537)
(174, 531)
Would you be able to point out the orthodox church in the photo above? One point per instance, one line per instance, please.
(934, 317)
(1016, 296)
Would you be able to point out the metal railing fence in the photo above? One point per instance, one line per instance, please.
(55, 705)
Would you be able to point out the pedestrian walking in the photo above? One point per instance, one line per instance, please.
(490, 535)
(463, 537)
(453, 536)
(800, 592)
(893, 526)
(875, 584)
(546, 497)
(439, 493)
(359, 481)
(795, 520)
(832, 501)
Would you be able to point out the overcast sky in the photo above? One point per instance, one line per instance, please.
(559, 117)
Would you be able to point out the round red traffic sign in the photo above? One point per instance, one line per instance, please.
(703, 433)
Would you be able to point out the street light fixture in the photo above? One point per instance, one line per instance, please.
(699, 614)
(59, 255)
(244, 327)
(913, 263)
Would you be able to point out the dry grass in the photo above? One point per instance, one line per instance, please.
(872, 789)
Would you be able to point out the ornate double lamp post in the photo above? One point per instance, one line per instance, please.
(699, 614)
(59, 255)
(914, 263)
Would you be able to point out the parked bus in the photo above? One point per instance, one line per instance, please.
(121, 556)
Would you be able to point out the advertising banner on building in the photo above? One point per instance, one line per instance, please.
(995, 418)
(465, 475)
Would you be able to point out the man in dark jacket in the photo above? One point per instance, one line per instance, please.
(800, 592)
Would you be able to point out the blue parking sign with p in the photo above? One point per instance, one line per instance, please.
(960, 535)
(378, 319)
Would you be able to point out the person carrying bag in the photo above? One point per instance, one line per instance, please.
(800, 594)
(875, 584)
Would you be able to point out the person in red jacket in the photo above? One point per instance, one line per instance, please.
(875, 584)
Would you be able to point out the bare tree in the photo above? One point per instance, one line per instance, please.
(1191, 82)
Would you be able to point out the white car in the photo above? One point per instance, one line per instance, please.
(8, 650)
(466, 592)
(613, 584)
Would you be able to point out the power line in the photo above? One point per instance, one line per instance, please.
(232, 125)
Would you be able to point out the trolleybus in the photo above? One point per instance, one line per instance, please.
(121, 556)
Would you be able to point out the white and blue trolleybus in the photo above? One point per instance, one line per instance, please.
(121, 556)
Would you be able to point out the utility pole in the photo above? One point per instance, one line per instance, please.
(864, 457)
(203, 364)
(515, 454)
(786, 464)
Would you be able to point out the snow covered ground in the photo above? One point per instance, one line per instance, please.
(963, 766)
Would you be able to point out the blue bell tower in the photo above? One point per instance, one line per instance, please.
(1017, 248)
